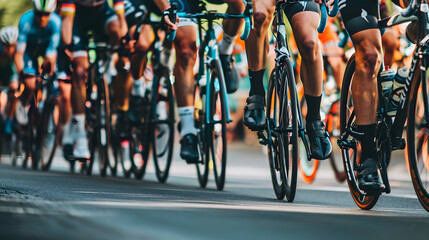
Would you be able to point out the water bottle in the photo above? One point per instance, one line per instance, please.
(386, 78)
(397, 91)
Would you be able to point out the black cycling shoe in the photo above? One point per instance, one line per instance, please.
(121, 126)
(368, 179)
(230, 73)
(68, 152)
(320, 145)
(189, 148)
(254, 113)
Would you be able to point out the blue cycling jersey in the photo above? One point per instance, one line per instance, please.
(35, 41)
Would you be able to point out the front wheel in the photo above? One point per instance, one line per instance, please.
(351, 153)
(418, 139)
(217, 127)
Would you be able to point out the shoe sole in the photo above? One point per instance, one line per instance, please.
(255, 128)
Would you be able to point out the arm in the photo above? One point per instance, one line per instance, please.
(51, 50)
(164, 5)
(68, 9)
(23, 27)
(118, 6)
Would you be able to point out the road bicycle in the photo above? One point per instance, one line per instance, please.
(413, 105)
(151, 123)
(211, 104)
(284, 128)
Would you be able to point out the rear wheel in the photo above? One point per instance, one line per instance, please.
(351, 155)
(103, 125)
(203, 134)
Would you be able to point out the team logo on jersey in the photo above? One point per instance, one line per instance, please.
(364, 14)
(304, 4)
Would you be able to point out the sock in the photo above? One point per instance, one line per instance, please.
(67, 138)
(79, 121)
(367, 141)
(257, 82)
(313, 106)
(186, 115)
(138, 89)
(226, 45)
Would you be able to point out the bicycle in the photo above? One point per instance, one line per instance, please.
(97, 111)
(283, 116)
(211, 105)
(389, 133)
(152, 122)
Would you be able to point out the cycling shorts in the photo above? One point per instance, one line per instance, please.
(90, 18)
(359, 15)
(294, 8)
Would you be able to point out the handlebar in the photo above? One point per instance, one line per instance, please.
(411, 9)
(172, 13)
(212, 15)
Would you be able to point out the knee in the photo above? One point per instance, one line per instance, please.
(142, 46)
(187, 55)
(262, 20)
(80, 75)
(309, 49)
(370, 63)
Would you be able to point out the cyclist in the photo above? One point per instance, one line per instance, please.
(8, 76)
(80, 16)
(186, 52)
(39, 35)
(360, 20)
(142, 34)
(304, 19)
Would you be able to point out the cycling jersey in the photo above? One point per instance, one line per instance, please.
(35, 42)
(68, 7)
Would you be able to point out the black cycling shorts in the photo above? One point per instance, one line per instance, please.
(359, 15)
(294, 8)
(91, 18)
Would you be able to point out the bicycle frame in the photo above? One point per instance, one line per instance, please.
(421, 50)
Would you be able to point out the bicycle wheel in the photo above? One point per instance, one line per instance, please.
(162, 120)
(217, 126)
(417, 139)
(49, 134)
(307, 168)
(139, 150)
(332, 123)
(289, 120)
(276, 148)
(351, 153)
(203, 146)
(103, 125)
(16, 144)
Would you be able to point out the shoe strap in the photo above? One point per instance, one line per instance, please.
(318, 128)
(255, 102)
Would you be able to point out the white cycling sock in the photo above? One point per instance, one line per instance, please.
(186, 115)
(138, 89)
(226, 45)
(67, 136)
(79, 121)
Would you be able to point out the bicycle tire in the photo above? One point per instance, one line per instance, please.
(417, 140)
(103, 125)
(16, 145)
(290, 96)
(50, 131)
(337, 168)
(362, 200)
(275, 150)
(203, 165)
(140, 148)
(163, 125)
(218, 124)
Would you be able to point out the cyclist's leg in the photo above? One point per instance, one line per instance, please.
(29, 80)
(304, 20)
(231, 28)
(364, 32)
(186, 52)
(257, 49)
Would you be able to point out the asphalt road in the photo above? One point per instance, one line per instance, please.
(60, 205)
